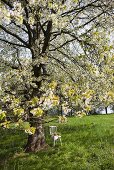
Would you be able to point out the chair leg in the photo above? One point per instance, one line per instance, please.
(60, 141)
(54, 143)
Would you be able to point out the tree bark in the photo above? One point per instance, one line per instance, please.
(36, 141)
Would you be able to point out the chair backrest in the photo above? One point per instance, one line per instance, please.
(52, 129)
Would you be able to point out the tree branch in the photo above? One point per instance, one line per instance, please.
(20, 27)
(62, 45)
(11, 43)
(78, 9)
(81, 26)
(63, 67)
(14, 35)
(47, 36)
(7, 3)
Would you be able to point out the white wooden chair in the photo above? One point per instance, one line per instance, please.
(55, 136)
(52, 129)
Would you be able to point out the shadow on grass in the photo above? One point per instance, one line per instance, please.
(11, 141)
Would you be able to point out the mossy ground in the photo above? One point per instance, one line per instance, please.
(87, 144)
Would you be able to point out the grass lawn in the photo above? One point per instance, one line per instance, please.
(88, 144)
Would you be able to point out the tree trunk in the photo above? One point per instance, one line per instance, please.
(106, 110)
(36, 141)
